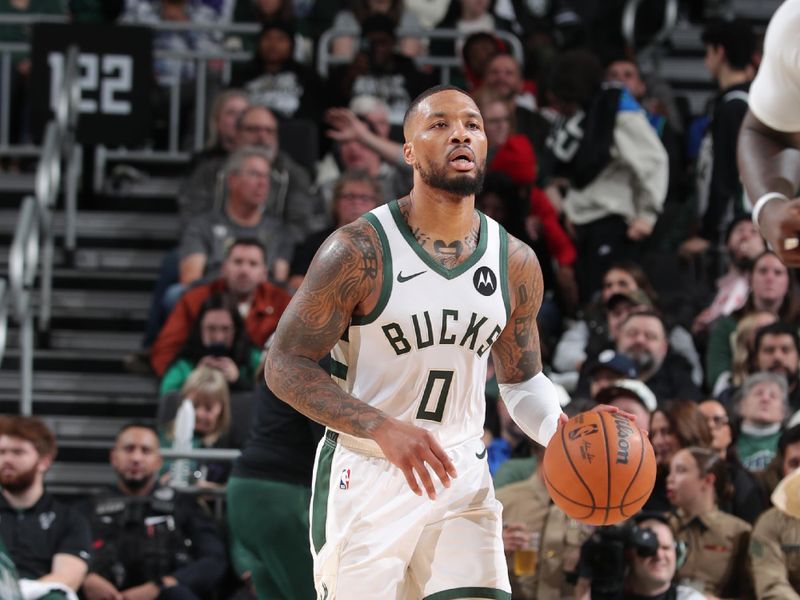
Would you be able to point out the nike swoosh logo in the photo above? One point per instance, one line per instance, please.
(480, 455)
(402, 279)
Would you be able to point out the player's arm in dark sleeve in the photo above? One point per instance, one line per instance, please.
(769, 161)
(345, 273)
(211, 559)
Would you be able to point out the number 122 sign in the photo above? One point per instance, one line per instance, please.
(115, 79)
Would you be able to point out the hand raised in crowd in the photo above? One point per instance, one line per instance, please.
(222, 363)
(96, 587)
(639, 229)
(779, 223)
(413, 450)
(346, 126)
(515, 536)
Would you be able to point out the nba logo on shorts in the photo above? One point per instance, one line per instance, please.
(344, 479)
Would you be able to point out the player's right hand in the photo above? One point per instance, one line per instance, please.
(410, 448)
(779, 223)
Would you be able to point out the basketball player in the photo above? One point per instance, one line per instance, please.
(769, 140)
(410, 299)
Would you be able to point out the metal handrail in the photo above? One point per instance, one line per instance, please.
(325, 59)
(628, 24)
(32, 245)
(48, 170)
(4, 300)
(23, 260)
(221, 454)
(23, 257)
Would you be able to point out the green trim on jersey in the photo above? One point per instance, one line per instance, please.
(322, 486)
(338, 369)
(386, 284)
(394, 208)
(504, 270)
(469, 592)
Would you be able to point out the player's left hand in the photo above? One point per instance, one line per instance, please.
(615, 409)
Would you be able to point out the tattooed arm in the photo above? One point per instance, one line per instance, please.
(344, 279)
(531, 399)
(516, 352)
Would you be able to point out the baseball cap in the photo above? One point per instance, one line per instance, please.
(629, 388)
(636, 297)
(615, 361)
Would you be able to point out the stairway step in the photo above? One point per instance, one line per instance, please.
(121, 385)
(108, 225)
(67, 474)
(74, 339)
(80, 402)
(87, 359)
(85, 428)
(17, 183)
(100, 304)
(756, 10)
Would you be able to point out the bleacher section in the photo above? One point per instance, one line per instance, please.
(102, 292)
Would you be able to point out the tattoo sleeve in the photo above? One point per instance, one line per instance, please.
(345, 271)
(516, 352)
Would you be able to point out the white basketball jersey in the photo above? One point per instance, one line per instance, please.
(421, 355)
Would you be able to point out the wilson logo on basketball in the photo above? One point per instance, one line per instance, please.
(624, 431)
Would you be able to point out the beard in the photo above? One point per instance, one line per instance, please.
(18, 482)
(643, 359)
(461, 185)
(742, 262)
(135, 484)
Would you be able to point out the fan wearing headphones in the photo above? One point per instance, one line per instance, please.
(716, 542)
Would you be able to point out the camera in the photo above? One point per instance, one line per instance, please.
(604, 553)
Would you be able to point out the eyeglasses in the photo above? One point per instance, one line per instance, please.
(259, 129)
(358, 198)
(717, 421)
(250, 174)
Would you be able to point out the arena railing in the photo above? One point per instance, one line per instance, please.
(31, 252)
(445, 63)
(628, 27)
(173, 153)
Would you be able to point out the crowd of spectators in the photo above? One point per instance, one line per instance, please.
(661, 298)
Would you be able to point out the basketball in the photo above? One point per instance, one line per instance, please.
(599, 468)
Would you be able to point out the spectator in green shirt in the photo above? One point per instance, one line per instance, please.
(217, 340)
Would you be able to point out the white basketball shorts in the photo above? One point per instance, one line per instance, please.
(372, 537)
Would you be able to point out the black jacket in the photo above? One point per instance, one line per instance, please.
(144, 538)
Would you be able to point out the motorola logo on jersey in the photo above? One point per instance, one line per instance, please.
(485, 281)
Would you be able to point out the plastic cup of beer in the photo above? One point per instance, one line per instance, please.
(525, 558)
